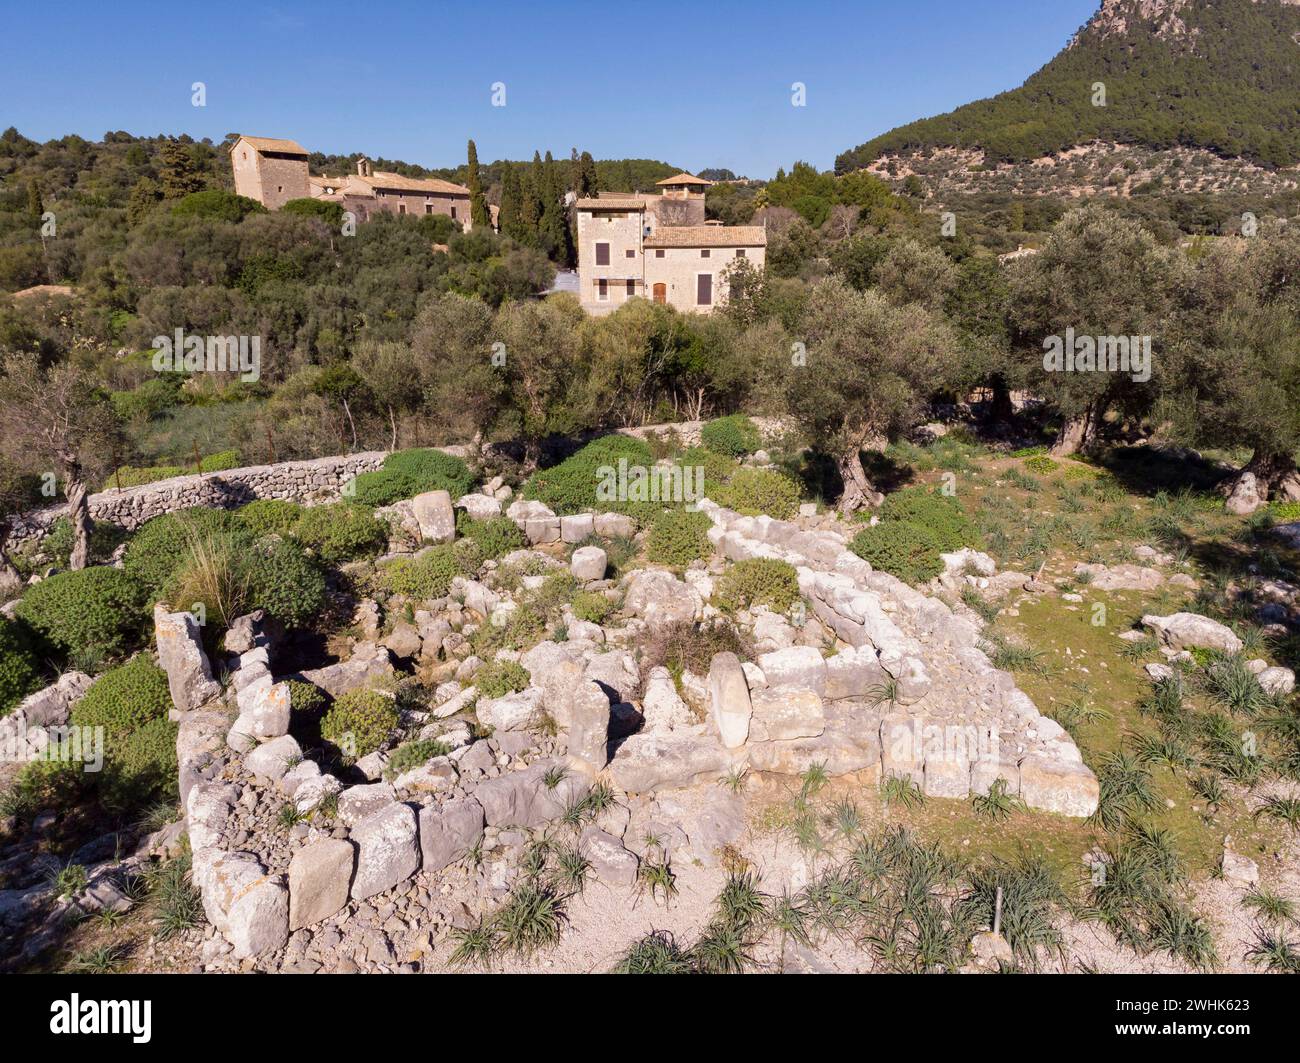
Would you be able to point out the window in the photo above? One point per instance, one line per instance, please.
(428, 208)
(704, 289)
(453, 213)
(602, 254)
(631, 253)
(659, 253)
(602, 290)
(631, 288)
(704, 253)
(740, 253)
(401, 208)
(279, 188)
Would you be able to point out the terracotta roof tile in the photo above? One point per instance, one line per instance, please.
(707, 236)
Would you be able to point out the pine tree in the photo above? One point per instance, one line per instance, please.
(179, 176)
(144, 195)
(478, 211)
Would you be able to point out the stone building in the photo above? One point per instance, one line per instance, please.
(270, 171)
(275, 171)
(659, 247)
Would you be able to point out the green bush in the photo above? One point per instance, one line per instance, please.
(306, 698)
(131, 476)
(592, 606)
(57, 544)
(359, 722)
(162, 544)
(270, 516)
(413, 754)
(341, 532)
(938, 514)
(901, 548)
(756, 491)
(131, 703)
(758, 581)
(408, 473)
(1041, 464)
(735, 436)
(678, 537)
(570, 486)
(494, 537)
(285, 582)
(424, 577)
(499, 678)
(20, 672)
(98, 611)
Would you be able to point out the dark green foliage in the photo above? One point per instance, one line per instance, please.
(735, 436)
(270, 516)
(20, 672)
(494, 537)
(96, 611)
(285, 582)
(678, 537)
(1227, 84)
(306, 698)
(341, 532)
(908, 551)
(408, 473)
(758, 581)
(498, 678)
(413, 754)
(217, 205)
(938, 514)
(330, 213)
(359, 722)
(759, 491)
(424, 577)
(592, 606)
(160, 546)
(570, 486)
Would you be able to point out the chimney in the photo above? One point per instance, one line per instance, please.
(363, 167)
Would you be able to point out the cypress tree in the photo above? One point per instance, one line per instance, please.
(478, 210)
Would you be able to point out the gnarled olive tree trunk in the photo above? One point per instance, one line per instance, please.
(74, 487)
(1078, 432)
(859, 491)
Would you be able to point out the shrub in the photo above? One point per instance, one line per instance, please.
(285, 582)
(57, 544)
(95, 610)
(20, 672)
(341, 532)
(901, 548)
(424, 577)
(359, 722)
(938, 514)
(162, 544)
(270, 516)
(408, 473)
(758, 581)
(678, 537)
(499, 678)
(592, 606)
(214, 574)
(131, 703)
(756, 491)
(570, 486)
(306, 698)
(412, 755)
(735, 436)
(687, 646)
(718, 468)
(494, 537)
(1041, 464)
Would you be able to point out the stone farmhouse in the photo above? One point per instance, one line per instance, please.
(659, 247)
(275, 171)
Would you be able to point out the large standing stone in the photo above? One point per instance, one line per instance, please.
(250, 907)
(784, 715)
(181, 655)
(435, 516)
(320, 875)
(449, 831)
(388, 850)
(576, 527)
(1183, 631)
(662, 706)
(580, 710)
(479, 507)
(795, 668)
(588, 563)
(729, 700)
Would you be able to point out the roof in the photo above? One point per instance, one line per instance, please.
(284, 147)
(684, 179)
(612, 203)
(707, 236)
(384, 179)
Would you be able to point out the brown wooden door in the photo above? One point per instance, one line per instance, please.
(661, 293)
(704, 290)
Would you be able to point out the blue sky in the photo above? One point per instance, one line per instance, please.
(696, 84)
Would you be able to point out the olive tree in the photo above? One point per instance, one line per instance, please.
(864, 377)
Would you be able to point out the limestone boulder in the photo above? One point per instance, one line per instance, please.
(388, 850)
(320, 876)
(1187, 631)
(182, 657)
(435, 516)
(448, 831)
(729, 700)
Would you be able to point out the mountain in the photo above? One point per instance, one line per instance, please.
(1188, 78)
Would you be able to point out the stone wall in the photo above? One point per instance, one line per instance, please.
(318, 480)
